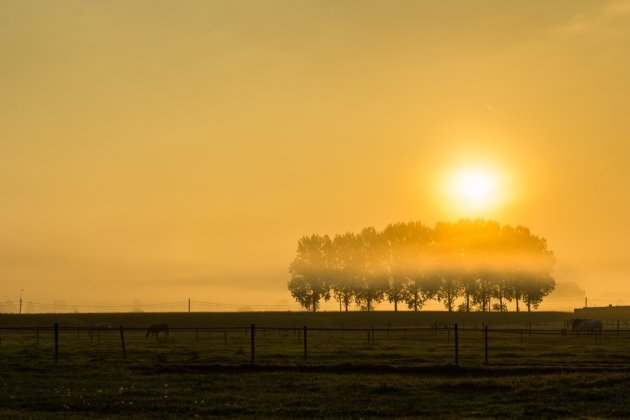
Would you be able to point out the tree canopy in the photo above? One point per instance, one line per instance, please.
(467, 265)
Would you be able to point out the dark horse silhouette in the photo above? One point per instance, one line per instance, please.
(156, 329)
(97, 328)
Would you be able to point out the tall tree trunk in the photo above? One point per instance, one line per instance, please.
(395, 305)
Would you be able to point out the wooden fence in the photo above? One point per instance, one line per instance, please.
(327, 342)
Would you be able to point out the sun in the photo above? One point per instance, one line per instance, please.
(474, 188)
(473, 185)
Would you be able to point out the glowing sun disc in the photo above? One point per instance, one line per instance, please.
(474, 188)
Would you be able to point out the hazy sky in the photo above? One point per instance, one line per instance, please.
(152, 151)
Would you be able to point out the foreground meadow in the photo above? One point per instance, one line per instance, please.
(123, 391)
(391, 371)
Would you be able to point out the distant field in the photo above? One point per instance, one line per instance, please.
(378, 319)
(404, 367)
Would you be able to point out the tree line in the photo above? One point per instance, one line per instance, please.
(467, 265)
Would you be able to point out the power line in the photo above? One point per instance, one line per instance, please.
(181, 303)
(243, 304)
(65, 305)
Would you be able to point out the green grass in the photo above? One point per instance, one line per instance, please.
(401, 374)
(123, 390)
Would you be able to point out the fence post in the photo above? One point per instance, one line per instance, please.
(56, 342)
(456, 345)
(617, 327)
(305, 342)
(37, 334)
(485, 344)
(253, 333)
(372, 335)
(122, 342)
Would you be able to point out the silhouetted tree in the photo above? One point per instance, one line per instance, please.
(530, 266)
(486, 284)
(408, 244)
(310, 272)
(420, 289)
(394, 239)
(418, 264)
(345, 268)
(372, 276)
(468, 283)
(450, 289)
(501, 292)
(536, 289)
(446, 254)
(472, 260)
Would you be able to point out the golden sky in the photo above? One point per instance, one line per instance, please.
(152, 151)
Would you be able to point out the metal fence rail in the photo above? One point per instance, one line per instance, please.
(451, 344)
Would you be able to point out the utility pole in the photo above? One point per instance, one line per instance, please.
(585, 302)
(188, 305)
(21, 291)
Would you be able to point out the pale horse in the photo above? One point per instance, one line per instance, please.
(591, 326)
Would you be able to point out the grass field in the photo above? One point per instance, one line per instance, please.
(405, 368)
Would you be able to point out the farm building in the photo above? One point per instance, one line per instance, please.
(609, 312)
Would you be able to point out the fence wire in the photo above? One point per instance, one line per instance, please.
(549, 345)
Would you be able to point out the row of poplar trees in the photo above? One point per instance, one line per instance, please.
(467, 265)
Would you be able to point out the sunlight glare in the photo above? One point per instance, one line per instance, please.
(474, 189)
